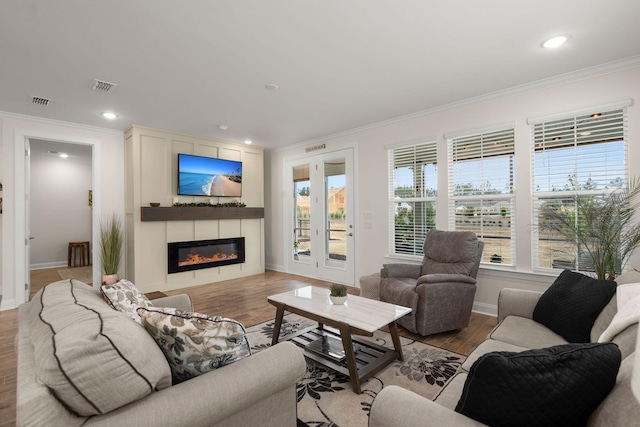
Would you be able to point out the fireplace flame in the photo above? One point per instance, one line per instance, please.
(199, 259)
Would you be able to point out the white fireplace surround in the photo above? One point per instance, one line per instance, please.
(151, 176)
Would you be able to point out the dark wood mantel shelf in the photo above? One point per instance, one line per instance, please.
(188, 213)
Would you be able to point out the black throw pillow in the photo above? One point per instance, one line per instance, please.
(555, 386)
(571, 305)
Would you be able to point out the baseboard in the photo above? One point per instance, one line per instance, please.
(274, 267)
(483, 308)
(43, 265)
(7, 304)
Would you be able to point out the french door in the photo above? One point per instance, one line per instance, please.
(320, 241)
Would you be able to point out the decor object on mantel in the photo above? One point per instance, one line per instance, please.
(154, 204)
(111, 240)
(338, 293)
(602, 227)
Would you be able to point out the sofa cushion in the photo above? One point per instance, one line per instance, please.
(195, 343)
(488, 346)
(555, 386)
(91, 357)
(449, 395)
(620, 408)
(572, 303)
(631, 276)
(525, 333)
(126, 298)
(604, 319)
(627, 315)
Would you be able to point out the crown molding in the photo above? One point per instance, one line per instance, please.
(561, 79)
(51, 122)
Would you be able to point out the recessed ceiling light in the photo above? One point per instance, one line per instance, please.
(271, 86)
(248, 141)
(64, 155)
(554, 42)
(223, 127)
(109, 115)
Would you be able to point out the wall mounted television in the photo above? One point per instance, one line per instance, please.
(208, 176)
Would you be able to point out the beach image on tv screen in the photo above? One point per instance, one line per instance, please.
(205, 176)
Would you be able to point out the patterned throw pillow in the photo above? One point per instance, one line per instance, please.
(194, 343)
(126, 298)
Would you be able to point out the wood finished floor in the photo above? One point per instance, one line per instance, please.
(243, 299)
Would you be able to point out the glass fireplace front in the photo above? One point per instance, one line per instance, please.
(199, 254)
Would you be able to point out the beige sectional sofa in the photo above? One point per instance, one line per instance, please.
(101, 368)
(516, 331)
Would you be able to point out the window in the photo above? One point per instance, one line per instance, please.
(412, 193)
(481, 191)
(583, 155)
(302, 211)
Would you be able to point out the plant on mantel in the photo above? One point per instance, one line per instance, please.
(604, 228)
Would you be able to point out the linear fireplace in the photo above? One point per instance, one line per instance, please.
(195, 255)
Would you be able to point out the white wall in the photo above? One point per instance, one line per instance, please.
(108, 190)
(60, 212)
(555, 96)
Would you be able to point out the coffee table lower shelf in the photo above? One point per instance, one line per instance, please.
(370, 358)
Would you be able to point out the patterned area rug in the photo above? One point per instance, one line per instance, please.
(325, 398)
(83, 274)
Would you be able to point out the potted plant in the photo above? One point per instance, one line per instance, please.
(602, 227)
(338, 293)
(495, 258)
(295, 249)
(111, 241)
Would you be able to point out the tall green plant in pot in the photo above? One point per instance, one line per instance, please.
(111, 241)
(602, 227)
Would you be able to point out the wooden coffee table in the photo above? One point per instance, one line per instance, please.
(331, 343)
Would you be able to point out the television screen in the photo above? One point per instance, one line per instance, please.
(207, 176)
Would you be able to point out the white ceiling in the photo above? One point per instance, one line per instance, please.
(190, 66)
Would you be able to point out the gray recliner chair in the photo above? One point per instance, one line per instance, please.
(441, 290)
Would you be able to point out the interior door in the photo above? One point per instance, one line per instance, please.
(321, 241)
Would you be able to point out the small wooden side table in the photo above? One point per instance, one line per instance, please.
(78, 254)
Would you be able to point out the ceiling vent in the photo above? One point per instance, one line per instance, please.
(102, 86)
(38, 100)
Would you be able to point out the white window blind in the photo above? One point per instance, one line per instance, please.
(579, 155)
(481, 190)
(412, 192)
